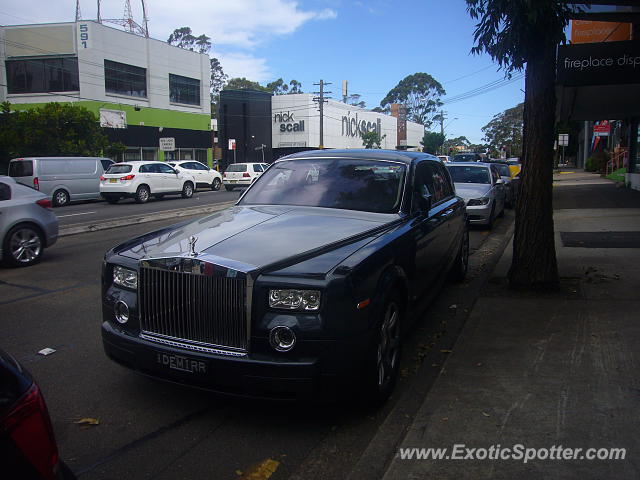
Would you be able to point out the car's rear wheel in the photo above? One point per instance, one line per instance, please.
(187, 190)
(229, 188)
(383, 358)
(216, 184)
(23, 246)
(60, 198)
(142, 194)
(112, 199)
(461, 263)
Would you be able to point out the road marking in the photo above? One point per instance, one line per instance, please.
(74, 214)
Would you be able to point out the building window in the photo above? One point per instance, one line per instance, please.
(184, 90)
(201, 155)
(185, 154)
(43, 75)
(124, 79)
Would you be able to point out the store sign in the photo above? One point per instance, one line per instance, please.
(587, 31)
(113, 118)
(354, 127)
(84, 36)
(563, 140)
(602, 128)
(167, 144)
(288, 123)
(607, 63)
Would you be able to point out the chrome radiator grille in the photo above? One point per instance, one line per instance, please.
(203, 310)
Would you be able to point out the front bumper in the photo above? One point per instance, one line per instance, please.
(480, 214)
(241, 182)
(256, 375)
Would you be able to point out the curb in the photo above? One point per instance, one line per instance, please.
(377, 457)
(137, 220)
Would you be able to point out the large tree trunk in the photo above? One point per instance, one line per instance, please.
(534, 254)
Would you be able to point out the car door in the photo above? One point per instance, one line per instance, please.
(171, 182)
(151, 176)
(499, 188)
(202, 173)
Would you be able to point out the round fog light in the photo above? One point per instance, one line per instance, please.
(121, 311)
(282, 338)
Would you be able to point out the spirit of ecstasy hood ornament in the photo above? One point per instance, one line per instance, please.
(192, 245)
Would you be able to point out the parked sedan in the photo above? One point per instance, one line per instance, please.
(304, 288)
(141, 180)
(203, 175)
(27, 223)
(482, 189)
(511, 183)
(242, 174)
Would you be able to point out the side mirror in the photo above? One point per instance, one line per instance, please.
(424, 202)
(499, 181)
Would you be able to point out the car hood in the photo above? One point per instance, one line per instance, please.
(472, 190)
(265, 237)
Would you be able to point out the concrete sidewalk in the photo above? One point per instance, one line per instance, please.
(547, 370)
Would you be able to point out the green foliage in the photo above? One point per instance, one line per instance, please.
(420, 93)
(431, 142)
(372, 139)
(618, 175)
(218, 79)
(280, 87)
(244, 84)
(505, 131)
(183, 37)
(597, 162)
(55, 129)
(510, 30)
(456, 144)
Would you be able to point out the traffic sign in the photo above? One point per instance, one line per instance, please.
(563, 139)
(168, 144)
(232, 144)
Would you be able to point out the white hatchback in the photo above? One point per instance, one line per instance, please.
(242, 174)
(141, 180)
(204, 176)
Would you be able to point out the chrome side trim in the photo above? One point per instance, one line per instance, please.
(190, 346)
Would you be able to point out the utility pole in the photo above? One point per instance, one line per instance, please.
(442, 152)
(321, 101)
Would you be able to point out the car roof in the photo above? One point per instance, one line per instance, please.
(467, 164)
(363, 153)
(5, 178)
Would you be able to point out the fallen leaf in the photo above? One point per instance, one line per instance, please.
(446, 351)
(47, 351)
(486, 414)
(263, 471)
(445, 419)
(479, 364)
(239, 472)
(453, 306)
(88, 421)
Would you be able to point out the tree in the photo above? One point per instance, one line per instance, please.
(372, 139)
(238, 83)
(456, 144)
(54, 129)
(354, 99)
(504, 132)
(420, 93)
(280, 87)
(182, 37)
(218, 79)
(295, 87)
(517, 33)
(432, 141)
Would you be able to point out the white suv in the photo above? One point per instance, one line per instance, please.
(140, 180)
(242, 174)
(205, 176)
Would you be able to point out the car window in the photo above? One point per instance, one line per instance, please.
(423, 182)
(21, 168)
(163, 168)
(106, 164)
(257, 167)
(173, 164)
(148, 168)
(117, 169)
(237, 167)
(495, 174)
(504, 170)
(464, 174)
(465, 157)
(5, 192)
(188, 166)
(441, 183)
(364, 185)
(199, 166)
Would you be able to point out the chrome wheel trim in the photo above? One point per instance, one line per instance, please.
(187, 190)
(217, 184)
(25, 245)
(388, 344)
(61, 198)
(143, 194)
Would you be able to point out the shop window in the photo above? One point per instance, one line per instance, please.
(124, 79)
(132, 154)
(171, 156)
(201, 155)
(149, 154)
(185, 154)
(42, 75)
(184, 90)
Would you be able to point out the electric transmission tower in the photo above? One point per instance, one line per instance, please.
(127, 21)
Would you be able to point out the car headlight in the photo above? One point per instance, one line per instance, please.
(125, 277)
(479, 201)
(290, 299)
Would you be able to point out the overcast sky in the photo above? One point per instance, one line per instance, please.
(373, 44)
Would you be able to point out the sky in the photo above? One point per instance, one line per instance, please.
(372, 44)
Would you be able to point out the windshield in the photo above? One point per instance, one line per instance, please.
(116, 169)
(462, 174)
(504, 170)
(237, 167)
(364, 185)
(469, 157)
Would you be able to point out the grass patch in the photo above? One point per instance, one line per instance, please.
(618, 175)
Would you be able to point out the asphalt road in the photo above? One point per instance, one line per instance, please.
(96, 211)
(149, 429)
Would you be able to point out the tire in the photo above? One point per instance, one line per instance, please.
(112, 199)
(60, 198)
(216, 184)
(142, 194)
(187, 190)
(23, 246)
(383, 358)
(229, 188)
(461, 263)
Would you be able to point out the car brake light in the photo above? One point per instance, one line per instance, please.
(102, 179)
(36, 183)
(44, 203)
(246, 174)
(128, 177)
(29, 426)
(224, 175)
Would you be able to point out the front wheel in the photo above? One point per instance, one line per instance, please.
(23, 246)
(187, 190)
(216, 184)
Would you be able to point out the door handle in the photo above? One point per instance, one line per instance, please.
(449, 211)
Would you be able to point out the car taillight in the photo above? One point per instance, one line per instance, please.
(128, 177)
(29, 426)
(246, 174)
(44, 203)
(102, 179)
(224, 175)
(36, 183)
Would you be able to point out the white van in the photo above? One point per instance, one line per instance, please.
(63, 179)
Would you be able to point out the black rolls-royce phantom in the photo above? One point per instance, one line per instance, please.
(304, 287)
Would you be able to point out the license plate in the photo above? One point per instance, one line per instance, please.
(232, 181)
(181, 363)
(113, 180)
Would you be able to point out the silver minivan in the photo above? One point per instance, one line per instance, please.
(62, 179)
